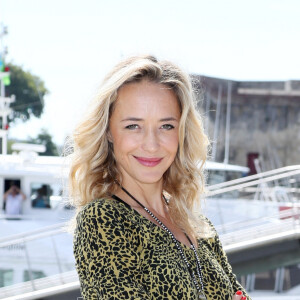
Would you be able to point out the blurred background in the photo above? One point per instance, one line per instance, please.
(70, 45)
(243, 57)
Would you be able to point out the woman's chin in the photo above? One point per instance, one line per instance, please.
(149, 178)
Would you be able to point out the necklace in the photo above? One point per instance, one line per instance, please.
(200, 288)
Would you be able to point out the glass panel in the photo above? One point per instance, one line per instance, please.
(51, 255)
(34, 274)
(45, 256)
(263, 202)
(265, 280)
(45, 195)
(292, 277)
(220, 176)
(215, 177)
(6, 277)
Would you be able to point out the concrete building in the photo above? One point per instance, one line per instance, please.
(264, 119)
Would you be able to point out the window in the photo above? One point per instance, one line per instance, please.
(35, 275)
(44, 195)
(6, 277)
(220, 176)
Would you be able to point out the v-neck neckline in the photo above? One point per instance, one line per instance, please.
(152, 223)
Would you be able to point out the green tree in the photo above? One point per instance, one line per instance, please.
(44, 138)
(29, 90)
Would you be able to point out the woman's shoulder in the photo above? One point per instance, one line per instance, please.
(107, 206)
(208, 229)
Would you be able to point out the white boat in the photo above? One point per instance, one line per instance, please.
(36, 176)
(34, 244)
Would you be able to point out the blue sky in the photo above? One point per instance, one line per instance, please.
(72, 44)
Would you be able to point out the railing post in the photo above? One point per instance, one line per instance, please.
(57, 259)
(250, 282)
(29, 266)
(279, 280)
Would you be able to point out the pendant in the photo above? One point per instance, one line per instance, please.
(202, 296)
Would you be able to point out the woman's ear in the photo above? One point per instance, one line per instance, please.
(109, 136)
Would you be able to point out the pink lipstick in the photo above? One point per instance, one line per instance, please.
(148, 162)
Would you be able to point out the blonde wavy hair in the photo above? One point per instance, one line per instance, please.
(93, 168)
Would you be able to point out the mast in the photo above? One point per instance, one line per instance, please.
(227, 128)
(216, 128)
(5, 102)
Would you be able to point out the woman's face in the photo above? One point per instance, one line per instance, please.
(144, 131)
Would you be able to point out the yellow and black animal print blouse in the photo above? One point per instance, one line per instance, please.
(120, 254)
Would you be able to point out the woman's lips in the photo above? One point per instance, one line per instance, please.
(148, 162)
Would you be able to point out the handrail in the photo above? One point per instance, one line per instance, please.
(252, 177)
(53, 232)
(238, 186)
(4, 216)
(262, 230)
(31, 238)
(289, 213)
(236, 243)
(31, 233)
(287, 222)
(24, 290)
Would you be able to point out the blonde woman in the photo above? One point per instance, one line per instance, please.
(134, 181)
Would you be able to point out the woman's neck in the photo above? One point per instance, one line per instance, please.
(149, 195)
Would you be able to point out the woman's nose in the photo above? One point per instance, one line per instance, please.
(150, 141)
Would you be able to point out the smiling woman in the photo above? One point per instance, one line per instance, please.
(134, 180)
(143, 129)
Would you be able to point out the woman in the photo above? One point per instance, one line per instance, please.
(135, 180)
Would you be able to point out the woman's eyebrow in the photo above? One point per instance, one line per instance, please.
(168, 119)
(140, 119)
(132, 119)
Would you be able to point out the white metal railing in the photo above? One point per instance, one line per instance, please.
(261, 235)
(47, 250)
(241, 183)
(33, 234)
(24, 290)
(256, 176)
(279, 225)
(292, 213)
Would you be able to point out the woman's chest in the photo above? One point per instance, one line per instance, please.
(166, 222)
(165, 271)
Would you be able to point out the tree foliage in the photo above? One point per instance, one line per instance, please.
(44, 138)
(29, 90)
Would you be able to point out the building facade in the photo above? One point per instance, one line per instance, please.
(250, 119)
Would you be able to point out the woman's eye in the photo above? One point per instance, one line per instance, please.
(168, 126)
(132, 126)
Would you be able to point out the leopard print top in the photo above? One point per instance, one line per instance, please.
(120, 254)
